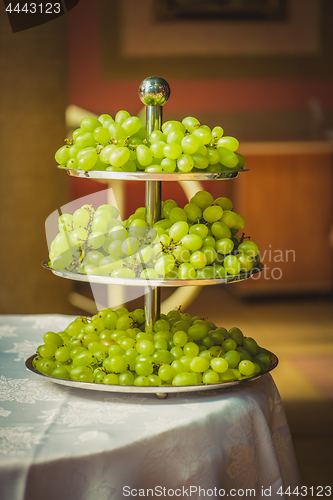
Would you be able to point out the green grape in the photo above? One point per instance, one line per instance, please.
(164, 264)
(166, 373)
(149, 274)
(210, 254)
(48, 366)
(198, 331)
(80, 218)
(229, 344)
(213, 213)
(141, 381)
(162, 356)
(104, 117)
(101, 135)
(89, 124)
(85, 140)
(227, 157)
(52, 338)
(131, 125)
(193, 212)
(185, 163)
(144, 368)
(144, 155)
(168, 205)
(264, 358)
(47, 350)
(123, 273)
(246, 368)
(172, 151)
(181, 254)
(117, 133)
(62, 155)
(220, 230)
(61, 372)
(76, 133)
(200, 161)
(229, 218)
(251, 346)
(180, 325)
(207, 272)
(240, 223)
(157, 136)
(244, 354)
(249, 248)
(83, 359)
(209, 241)
(210, 377)
(213, 156)
(232, 357)
(160, 344)
(154, 380)
(157, 149)
(232, 265)
(105, 153)
(87, 160)
(241, 160)
(118, 364)
(198, 260)
(180, 338)
(161, 325)
(130, 246)
(200, 230)
(186, 271)
(191, 123)
(246, 262)
(175, 137)
(168, 165)
(224, 246)
(177, 214)
(178, 230)
(190, 144)
(119, 156)
(171, 125)
(217, 132)
(111, 379)
(199, 364)
(192, 242)
(121, 116)
(126, 378)
(224, 203)
(73, 151)
(202, 199)
(203, 134)
(145, 347)
(177, 352)
(62, 354)
(190, 348)
(185, 379)
(228, 142)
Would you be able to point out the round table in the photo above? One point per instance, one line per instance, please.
(58, 442)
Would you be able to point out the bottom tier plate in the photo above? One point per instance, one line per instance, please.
(160, 392)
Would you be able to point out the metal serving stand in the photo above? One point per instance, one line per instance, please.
(154, 92)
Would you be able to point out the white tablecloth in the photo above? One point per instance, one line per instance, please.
(74, 444)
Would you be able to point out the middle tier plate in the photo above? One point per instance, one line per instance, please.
(150, 176)
(109, 280)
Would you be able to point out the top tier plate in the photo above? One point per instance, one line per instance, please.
(147, 176)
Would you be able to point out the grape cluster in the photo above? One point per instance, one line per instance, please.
(198, 241)
(113, 348)
(121, 145)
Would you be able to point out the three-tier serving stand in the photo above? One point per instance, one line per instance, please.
(154, 92)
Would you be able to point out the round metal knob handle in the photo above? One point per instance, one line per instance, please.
(154, 91)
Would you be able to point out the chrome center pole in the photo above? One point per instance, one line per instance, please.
(154, 93)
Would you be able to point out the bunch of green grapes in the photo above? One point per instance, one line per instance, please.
(198, 241)
(113, 348)
(121, 145)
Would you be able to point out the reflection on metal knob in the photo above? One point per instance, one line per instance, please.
(154, 91)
